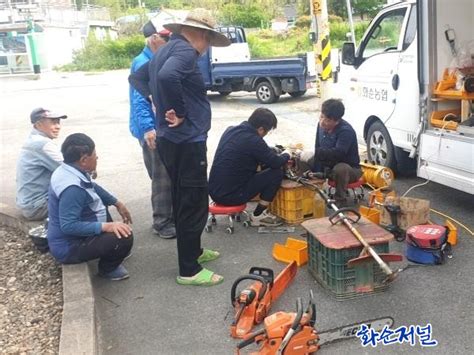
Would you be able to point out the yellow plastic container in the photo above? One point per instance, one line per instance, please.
(293, 250)
(372, 214)
(452, 233)
(296, 203)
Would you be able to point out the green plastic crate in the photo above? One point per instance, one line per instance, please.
(329, 267)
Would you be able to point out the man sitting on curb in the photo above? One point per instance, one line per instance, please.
(39, 157)
(336, 154)
(234, 179)
(142, 127)
(80, 227)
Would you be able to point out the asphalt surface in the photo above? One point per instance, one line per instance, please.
(150, 313)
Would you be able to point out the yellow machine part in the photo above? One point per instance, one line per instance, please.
(377, 175)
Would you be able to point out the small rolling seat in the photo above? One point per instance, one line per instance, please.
(232, 212)
(356, 188)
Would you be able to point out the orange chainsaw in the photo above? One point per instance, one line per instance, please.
(254, 302)
(289, 333)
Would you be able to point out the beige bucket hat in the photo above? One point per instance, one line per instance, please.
(201, 18)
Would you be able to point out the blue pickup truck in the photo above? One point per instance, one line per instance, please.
(230, 69)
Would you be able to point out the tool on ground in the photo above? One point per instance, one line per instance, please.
(293, 250)
(368, 252)
(253, 303)
(291, 333)
(428, 244)
(393, 227)
(282, 229)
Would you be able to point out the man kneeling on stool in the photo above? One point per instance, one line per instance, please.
(234, 179)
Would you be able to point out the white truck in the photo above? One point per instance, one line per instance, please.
(387, 85)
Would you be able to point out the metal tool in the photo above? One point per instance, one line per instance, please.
(254, 302)
(292, 333)
(282, 229)
(339, 216)
(393, 227)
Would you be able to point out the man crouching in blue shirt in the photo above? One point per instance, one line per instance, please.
(80, 228)
(336, 153)
(234, 179)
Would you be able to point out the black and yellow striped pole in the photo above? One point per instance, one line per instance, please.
(321, 45)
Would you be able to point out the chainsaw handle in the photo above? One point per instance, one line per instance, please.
(299, 313)
(250, 339)
(260, 279)
(342, 210)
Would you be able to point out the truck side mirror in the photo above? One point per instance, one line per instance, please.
(348, 53)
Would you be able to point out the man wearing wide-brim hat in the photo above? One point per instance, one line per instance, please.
(183, 118)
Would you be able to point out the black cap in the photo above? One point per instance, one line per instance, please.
(39, 113)
(148, 29)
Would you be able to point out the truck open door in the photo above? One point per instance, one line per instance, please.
(375, 83)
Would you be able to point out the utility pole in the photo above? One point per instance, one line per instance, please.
(322, 46)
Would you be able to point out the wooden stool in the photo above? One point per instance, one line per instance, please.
(232, 212)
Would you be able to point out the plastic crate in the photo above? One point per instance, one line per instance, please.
(295, 203)
(329, 266)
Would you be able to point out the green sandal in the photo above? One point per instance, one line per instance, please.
(202, 278)
(208, 255)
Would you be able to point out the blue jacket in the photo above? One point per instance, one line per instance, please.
(175, 82)
(76, 207)
(238, 154)
(340, 146)
(142, 118)
(39, 157)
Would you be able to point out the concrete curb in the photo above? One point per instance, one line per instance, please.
(78, 327)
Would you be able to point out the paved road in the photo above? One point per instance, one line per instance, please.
(149, 313)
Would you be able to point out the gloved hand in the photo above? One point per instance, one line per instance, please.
(287, 151)
(278, 149)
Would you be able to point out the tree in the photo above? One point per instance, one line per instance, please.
(367, 7)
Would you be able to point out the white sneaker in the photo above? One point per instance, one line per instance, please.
(265, 219)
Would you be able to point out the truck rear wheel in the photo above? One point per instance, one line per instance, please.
(265, 93)
(380, 150)
(297, 93)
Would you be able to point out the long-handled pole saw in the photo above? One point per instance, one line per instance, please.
(348, 222)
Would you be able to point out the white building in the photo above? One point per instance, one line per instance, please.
(46, 32)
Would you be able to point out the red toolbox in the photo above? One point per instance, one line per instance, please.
(426, 236)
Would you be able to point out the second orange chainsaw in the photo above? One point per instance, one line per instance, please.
(253, 303)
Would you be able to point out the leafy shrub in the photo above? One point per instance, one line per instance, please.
(303, 22)
(106, 55)
(247, 15)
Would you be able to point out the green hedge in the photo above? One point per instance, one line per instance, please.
(106, 55)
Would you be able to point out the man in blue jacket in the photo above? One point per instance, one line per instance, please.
(336, 153)
(183, 117)
(142, 127)
(234, 179)
(80, 228)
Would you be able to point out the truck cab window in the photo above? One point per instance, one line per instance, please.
(410, 32)
(385, 34)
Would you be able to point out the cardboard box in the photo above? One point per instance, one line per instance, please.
(414, 211)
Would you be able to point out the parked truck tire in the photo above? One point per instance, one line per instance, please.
(297, 93)
(380, 149)
(224, 93)
(266, 93)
